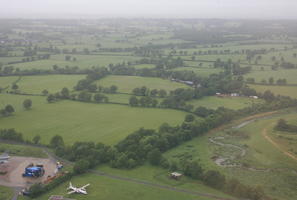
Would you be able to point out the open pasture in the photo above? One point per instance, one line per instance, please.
(17, 101)
(102, 188)
(82, 61)
(227, 102)
(203, 72)
(263, 162)
(126, 84)
(52, 83)
(77, 121)
(5, 193)
(88, 61)
(290, 91)
(289, 74)
(7, 81)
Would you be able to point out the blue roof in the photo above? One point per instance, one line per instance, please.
(33, 168)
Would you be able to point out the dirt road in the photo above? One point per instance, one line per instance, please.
(275, 144)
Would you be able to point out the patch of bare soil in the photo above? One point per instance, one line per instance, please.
(15, 167)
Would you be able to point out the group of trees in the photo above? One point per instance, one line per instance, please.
(144, 91)
(145, 101)
(84, 96)
(86, 155)
(11, 134)
(282, 125)
(87, 83)
(218, 181)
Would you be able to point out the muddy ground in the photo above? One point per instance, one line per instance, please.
(15, 167)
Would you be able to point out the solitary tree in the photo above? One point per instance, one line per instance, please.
(65, 93)
(51, 98)
(45, 92)
(36, 139)
(27, 103)
(133, 101)
(113, 89)
(15, 87)
(9, 109)
(57, 141)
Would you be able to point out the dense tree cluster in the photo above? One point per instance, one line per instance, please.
(11, 134)
(282, 125)
(144, 91)
(145, 101)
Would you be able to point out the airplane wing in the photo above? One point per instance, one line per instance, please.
(84, 187)
(82, 191)
(71, 192)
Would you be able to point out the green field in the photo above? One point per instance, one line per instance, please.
(17, 101)
(227, 102)
(105, 188)
(261, 154)
(19, 150)
(289, 74)
(281, 90)
(52, 83)
(77, 121)
(7, 81)
(126, 84)
(142, 66)
(5, 193)
(204, 72)
(118, 98)
(82, 61)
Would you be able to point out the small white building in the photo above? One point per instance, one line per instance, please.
(175, 175)
(234, 95)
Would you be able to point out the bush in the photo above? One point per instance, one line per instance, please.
(81, 166)
(214, 179)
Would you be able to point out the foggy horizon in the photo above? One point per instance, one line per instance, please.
(221, 9)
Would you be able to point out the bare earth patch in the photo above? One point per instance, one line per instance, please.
(15, 167)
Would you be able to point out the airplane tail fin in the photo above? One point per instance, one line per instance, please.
(70, 186)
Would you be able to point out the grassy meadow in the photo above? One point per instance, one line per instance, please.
(20, 150)
(77, 121)
(261, 154)
(52, 83)
(227, 102)
(82, 61)
(5, 193)
(289, 74)
(290, 91)
(126, 84)
(204, 72)
(102, 188)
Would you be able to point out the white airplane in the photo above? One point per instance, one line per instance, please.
(81, 190)
(4, 158)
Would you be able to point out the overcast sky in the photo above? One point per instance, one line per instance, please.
(263, 9)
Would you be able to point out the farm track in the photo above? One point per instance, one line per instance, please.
(275, 144)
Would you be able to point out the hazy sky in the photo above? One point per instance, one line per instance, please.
(151, 8)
